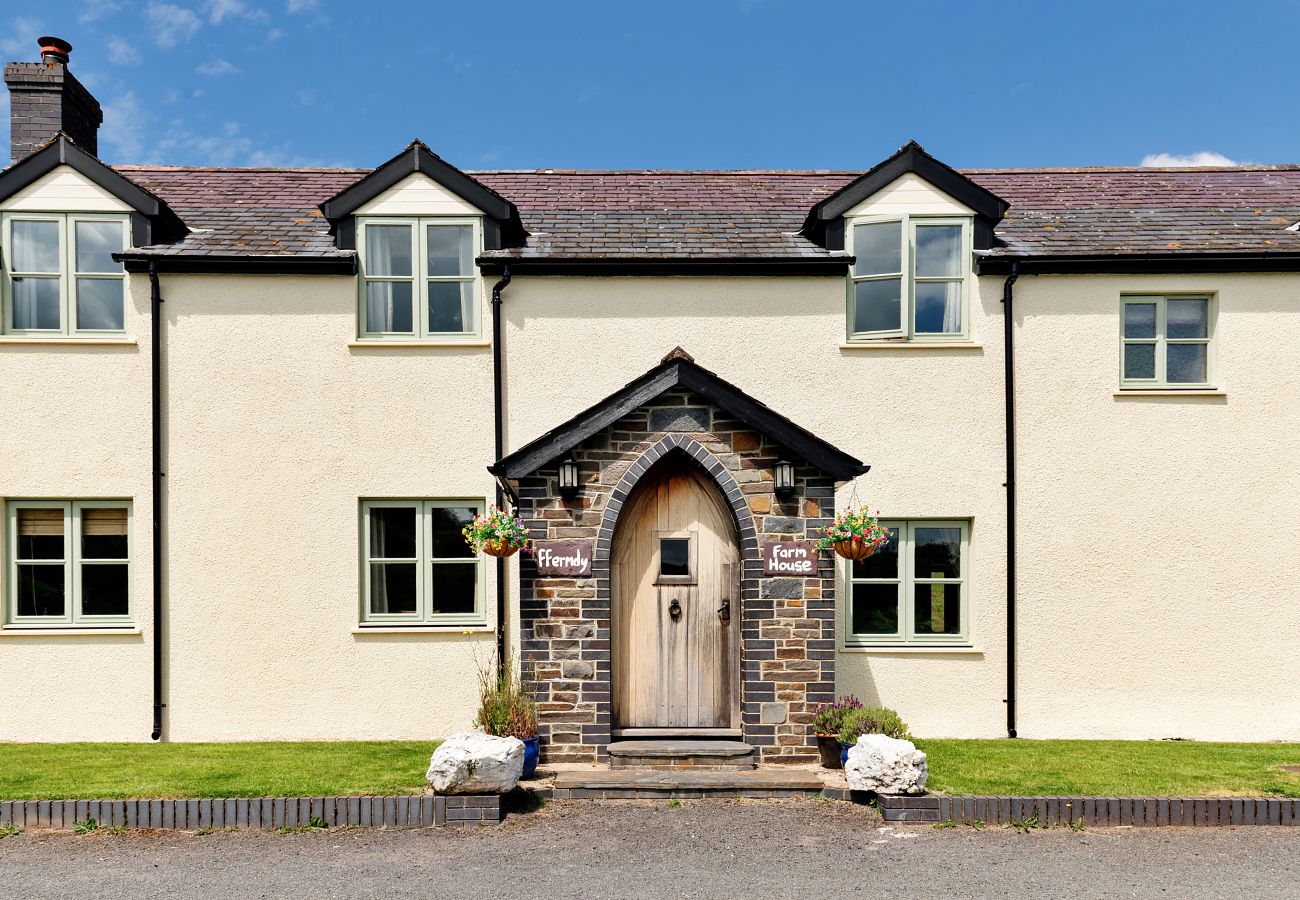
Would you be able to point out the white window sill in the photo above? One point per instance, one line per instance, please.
(412, 345)
(917, 648)
(422, 629)
(1170, 392)
(33, 631)
(67, 341)
(911, 345)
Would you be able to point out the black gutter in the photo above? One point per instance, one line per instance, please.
(155, 378)
(1008, 387)
(235, 265)
(1143, 263)
(499, 436)
(615, 266)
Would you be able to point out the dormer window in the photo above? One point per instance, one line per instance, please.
(60, 278)
(418, 279)
(911, 278)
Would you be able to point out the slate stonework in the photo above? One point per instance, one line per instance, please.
(787, 624)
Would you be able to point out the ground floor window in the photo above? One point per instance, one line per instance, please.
(69, 563)
(914, 589)
(417, 568)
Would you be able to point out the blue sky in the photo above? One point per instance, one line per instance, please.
(704, 84)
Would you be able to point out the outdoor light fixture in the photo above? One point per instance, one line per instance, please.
(569, 478)
(783, 477)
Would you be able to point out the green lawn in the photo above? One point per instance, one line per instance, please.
(1111, 768)
(110, 771)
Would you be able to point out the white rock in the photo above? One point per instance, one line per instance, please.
(886, 766)
(471, 762)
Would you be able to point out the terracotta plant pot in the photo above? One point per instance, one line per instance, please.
(828, 745)
(855, 549)
(499, 548)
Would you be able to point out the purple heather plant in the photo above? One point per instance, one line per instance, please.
(830, 716)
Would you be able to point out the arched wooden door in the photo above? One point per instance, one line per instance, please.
(675, 574)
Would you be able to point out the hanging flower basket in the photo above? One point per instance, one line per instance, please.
(854, 535)
(499, 533)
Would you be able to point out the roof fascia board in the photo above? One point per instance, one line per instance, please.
(1135, 264)
(228, 265)
(836, 266)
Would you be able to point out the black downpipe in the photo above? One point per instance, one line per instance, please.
(498, 411)
(1008, 381)
(155, 354)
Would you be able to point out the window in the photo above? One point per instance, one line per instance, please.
(1165, 342)
(676, 558)
(913, 589)
(910, 278)
(418, 278)
(418, 568)
(60, 277)
(69, 563)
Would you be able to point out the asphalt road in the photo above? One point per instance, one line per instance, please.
(713, 849)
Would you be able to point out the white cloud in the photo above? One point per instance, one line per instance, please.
(228, 147)
(22, 40)
(98, 9)
(123, 129)
(218, 67)
(171, 24)
(297, 6)
(122, 52)
(1200, 158)
(220, 10)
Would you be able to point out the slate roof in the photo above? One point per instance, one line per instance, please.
(755, 214)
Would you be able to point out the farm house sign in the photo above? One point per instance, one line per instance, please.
(790, 558)
(571, 558)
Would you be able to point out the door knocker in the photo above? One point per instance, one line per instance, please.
(675, 610)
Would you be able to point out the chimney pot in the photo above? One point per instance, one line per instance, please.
(54, 49)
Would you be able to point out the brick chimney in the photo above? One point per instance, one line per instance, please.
(45, 98)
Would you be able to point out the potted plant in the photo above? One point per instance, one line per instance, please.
(499, 533)
(826, 728)
(506, 708)
(870, 720)
(855, 535)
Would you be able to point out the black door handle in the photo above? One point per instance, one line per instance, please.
(724, 611)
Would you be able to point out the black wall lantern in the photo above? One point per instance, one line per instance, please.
(783, 477)
(569, 478)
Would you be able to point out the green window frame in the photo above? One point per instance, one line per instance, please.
(438, 294)
(91, 288)
(81, 573)
(933, 300)
(420, 577)
(1167, 341)
(908, 592)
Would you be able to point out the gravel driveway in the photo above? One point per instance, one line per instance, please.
(704, 849)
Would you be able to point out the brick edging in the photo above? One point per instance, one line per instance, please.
(404, 811)
(1091, 811)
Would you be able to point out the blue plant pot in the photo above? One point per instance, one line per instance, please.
(532, 750)
(844, 753)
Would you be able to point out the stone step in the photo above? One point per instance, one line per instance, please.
(682, 754)
(687, 784)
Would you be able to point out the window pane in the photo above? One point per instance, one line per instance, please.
(449, 306)
(451, 249)
(1186, 363)
(881, 564)
(388, 307)
(392, 532)
(96, 242)
(1139, 360)
(937, 608)
(104, 590)
(877, 306)
(454, 588)
(674, 556)
(938, 307)
(875, 609)
(40, 534)
(40, 590)
(1186, 318)
(99, 303)
(388, 249)
(36, 303)
(35, 247)
(448, 542)
(938, 251)
(392, 588)
(103, 533)
(1139, 320)
(937, 553)
(878, 247)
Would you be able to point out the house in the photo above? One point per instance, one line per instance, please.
(248, 412)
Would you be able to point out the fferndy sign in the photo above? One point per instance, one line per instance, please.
(563, 557)
(790, 558)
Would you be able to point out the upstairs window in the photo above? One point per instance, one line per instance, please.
(60, 278)
(911, 278)
(1166, 342)
(418, 279)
